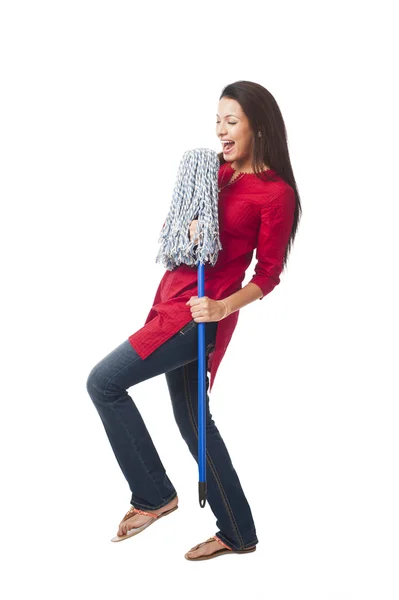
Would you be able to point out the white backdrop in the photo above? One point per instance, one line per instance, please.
(99, 102)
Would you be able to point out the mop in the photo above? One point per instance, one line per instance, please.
(195, 196)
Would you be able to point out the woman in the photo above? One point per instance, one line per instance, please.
(259, 208)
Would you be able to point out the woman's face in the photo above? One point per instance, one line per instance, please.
(232, 124)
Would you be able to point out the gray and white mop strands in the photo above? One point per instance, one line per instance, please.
(195, 196)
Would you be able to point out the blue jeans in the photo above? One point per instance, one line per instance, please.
(133, 447)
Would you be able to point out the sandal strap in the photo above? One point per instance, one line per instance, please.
(129, 513)
(220, 542)
(211, 539)
(202, 544)
(132, 511)
(145, 512)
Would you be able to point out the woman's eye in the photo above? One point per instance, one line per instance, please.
(229, 122)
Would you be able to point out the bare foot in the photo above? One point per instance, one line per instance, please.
(138, 520)
(204, 550)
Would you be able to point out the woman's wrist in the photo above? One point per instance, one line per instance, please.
(226, 310)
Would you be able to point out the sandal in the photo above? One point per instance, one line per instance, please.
(135, 530)
(225, 550)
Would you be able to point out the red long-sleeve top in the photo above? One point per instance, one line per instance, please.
(253, 215)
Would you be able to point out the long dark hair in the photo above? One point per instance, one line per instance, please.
(271, 148)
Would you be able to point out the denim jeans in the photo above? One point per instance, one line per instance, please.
(150, 487)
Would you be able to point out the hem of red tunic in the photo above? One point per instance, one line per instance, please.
(140, 343)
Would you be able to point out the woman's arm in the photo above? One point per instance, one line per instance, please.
(249, 293)
(276, 222)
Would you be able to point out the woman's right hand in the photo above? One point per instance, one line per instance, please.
(193, 231)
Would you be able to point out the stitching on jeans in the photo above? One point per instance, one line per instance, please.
(249, 545)
(211, 464)
(174, 495)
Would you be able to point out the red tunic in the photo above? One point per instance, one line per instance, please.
(253, 214)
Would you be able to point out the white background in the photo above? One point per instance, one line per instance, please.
(99, 102)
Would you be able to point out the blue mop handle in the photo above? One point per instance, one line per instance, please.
(201, 395)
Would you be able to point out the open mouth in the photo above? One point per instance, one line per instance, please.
(227, 147)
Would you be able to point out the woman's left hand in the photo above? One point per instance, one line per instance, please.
(205, 309)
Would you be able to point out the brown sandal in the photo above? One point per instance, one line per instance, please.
(225, 550)
(135, 530)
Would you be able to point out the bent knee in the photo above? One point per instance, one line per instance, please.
(95, 383)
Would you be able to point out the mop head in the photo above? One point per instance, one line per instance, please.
(195, 196)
